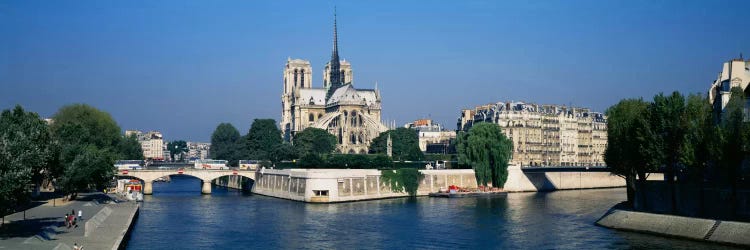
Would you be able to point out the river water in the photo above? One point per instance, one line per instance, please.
(177, 216)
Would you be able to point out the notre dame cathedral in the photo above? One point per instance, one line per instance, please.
(352, 115)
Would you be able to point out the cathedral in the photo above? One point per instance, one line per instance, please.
(352, 115)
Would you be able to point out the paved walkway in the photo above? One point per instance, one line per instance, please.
(43, 226)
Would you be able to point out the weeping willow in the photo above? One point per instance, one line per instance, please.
(488, 151)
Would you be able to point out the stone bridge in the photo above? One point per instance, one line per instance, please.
(206, 176)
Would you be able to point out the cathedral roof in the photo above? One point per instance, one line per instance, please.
(312, 96)
(346, 95)
(369, 96)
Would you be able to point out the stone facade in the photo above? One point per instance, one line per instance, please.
(545, 135)
(432, 135)
(734, 73)
(350, 114)
(152, 143)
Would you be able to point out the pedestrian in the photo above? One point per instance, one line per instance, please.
(76, 247)
(80, 214)
(66, 220)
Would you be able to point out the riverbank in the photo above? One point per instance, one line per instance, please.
(716, 231)
(104, 225)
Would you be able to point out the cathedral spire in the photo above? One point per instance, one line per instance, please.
(335, 65)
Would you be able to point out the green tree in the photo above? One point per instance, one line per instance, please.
(700, 145)
(735, 141)
(25, 155)
(461, 144)
(488, 151)
(405, 143)
(630, 144)
(91, 168)
(668, 121)
(224, 143)
(177, 148)
(89, 143)
(262, 139)
(130, 148)
(283, 152)
(402, 180)
(314, 141)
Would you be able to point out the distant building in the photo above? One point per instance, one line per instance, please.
(545, 135)
(734, 73)
(433, 138)
(199, 150)
(152, 143)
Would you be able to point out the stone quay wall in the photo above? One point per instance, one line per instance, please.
(725, 232)
(520, 181)
(340, 185)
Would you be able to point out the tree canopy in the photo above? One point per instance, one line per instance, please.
(314, 141)
(178, 148)
(89, 141)
(262, 139)
(130, 148)
(25, 155)
(488, 151)
(224, 143)
(405, 143)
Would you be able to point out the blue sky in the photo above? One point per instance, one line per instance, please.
(182, 67)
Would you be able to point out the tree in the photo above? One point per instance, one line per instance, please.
(403, 179)
(283, 152)
(405, 143)
(89, 142)
(314, 141)
(488, 151)
(130, 148)
(224, 143)
(735, 141)
(262, 138)
(177, 148)
(89, 169)
(700, 145)
(25, 155)
(667, 119)
(630, 144)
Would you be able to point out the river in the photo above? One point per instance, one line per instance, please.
(177, 216)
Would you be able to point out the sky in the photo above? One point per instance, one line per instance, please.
(183, 67)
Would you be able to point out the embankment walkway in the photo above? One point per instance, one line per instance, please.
(104, 225)
(725, 232)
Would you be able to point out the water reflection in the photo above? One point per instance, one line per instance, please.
(177, 216)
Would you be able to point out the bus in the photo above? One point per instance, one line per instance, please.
(210, 164)
(129, 164)
(249, 164)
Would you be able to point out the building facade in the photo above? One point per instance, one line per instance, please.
(433, 138)
(545, 135)
(198, 150)
(734, 73)
(152, 143)
(350, 114)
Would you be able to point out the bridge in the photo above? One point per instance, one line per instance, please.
(149, 175)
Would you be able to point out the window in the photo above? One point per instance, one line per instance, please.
(311, 117)
(302, 78)
(320, 192)
(295, 77)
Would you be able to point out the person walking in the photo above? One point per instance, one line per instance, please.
(66, 220)
(80, 214)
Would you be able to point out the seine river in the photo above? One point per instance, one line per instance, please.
(177, 216)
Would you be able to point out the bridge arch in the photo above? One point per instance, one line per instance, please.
(206, 176)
